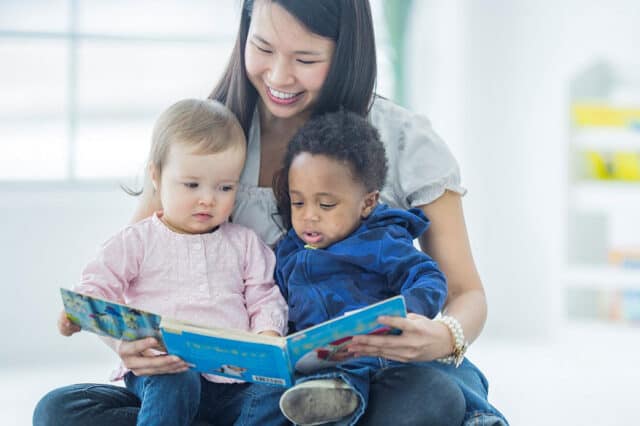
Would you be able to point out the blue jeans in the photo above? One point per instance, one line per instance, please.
(475, 388)
(108, 405)
(437, 394)
(166, 399)
(399, 394)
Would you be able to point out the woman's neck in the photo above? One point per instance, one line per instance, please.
(285, 127)
(275, 134)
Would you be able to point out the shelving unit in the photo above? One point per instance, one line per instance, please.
(602, 269)
(605, 138)
(604, 277)
(605, 195)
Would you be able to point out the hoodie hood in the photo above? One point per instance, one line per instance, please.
(413, 220)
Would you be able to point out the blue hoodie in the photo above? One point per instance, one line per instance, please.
(377, 261)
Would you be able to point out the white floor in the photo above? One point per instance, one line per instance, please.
(588, 375)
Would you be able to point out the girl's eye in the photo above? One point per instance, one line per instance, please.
(327, 206)
(226, 188)
(306, 62)
(191, 185)
(297, 203)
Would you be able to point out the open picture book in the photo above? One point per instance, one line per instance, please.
(234, 353)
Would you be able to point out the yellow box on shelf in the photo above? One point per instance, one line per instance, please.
(598, 114)
(618, 166)
(626, 166)
(597, 165)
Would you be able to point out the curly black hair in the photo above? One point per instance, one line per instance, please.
(343, 136)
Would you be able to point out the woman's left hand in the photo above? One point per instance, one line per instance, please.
(422, 339)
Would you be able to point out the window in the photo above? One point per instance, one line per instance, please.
(83, 81)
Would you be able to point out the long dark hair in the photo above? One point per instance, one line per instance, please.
(342, 136)
(351, 80)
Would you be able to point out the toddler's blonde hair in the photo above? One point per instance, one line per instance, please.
(207, 125)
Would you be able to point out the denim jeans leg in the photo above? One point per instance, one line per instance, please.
(475, 388)
(167, 399)
(261, 406)
(87, 404)
(413, 395)
(356, 373)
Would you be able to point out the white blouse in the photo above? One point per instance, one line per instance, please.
(421, 168)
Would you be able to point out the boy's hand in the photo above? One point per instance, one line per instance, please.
(65, 326)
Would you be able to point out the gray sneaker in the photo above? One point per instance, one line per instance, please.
(315, 402)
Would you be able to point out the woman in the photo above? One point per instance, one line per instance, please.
(294, 59)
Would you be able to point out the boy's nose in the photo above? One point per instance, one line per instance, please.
(310, 215)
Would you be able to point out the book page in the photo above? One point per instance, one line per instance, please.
(108, 318)
(325, 345)
(235, 354)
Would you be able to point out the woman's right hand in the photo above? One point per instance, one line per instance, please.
(145, 357)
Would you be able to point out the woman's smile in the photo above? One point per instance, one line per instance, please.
(283, 98)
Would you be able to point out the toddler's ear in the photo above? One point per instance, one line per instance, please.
(370, 203)
(154, 175)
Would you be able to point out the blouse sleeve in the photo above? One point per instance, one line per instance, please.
(421, 166)
(265, 305)
(115, 267)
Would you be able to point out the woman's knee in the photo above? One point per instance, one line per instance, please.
(47, 408)
(415, 395)
(83, 404)
(435, 397)
(59, 405)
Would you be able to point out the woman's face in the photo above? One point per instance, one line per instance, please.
(285, 62)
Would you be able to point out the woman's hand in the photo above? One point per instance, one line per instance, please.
(146, 357)
(65, 326)
(422, 339)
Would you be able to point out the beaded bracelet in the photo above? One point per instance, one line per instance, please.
(460, 346)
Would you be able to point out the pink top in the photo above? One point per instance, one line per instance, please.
(221, 279)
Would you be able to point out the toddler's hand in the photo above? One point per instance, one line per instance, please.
(65, 326)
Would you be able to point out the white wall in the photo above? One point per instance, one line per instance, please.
(47, 237)
(493, 77)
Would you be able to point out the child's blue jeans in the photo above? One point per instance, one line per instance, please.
(167, 399)
(180, 399)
